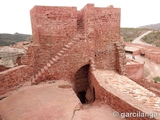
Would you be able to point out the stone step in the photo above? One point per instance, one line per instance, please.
(75, 39)
(39, 73)
(93, 65)
(45, 68)
(61, 51)
(65, 49)
(51, 62)
(36, 80)
(67, 46)
(59, 54)
(42, 70)
(70, 43)
(93, 68)
(92, 62)
(48, 64)
(54, 59)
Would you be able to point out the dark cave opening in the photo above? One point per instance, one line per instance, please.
(81, 95)
(81, 83)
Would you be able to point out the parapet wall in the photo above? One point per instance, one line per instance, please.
(135, 70)
(123, 95)
(153, 55)
(150, 52)
(14, 78)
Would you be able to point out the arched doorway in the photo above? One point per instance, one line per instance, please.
(81, 83)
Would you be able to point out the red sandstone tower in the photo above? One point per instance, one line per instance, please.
(67, 39)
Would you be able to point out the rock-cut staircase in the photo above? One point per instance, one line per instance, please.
(42, 72)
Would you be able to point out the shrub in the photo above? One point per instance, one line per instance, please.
(129, 34)
(156, 79)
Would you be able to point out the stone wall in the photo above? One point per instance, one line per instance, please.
(68, 38)
(107, 29)
(135, 70)
(14, 78)
(29, 58)
(72, 60)
(120, 58)
(110, 94)
(150, 52)
(153, 55)
(52, 28)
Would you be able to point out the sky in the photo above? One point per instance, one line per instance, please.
(15, 14)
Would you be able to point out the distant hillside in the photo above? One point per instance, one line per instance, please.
(152, 38)
(10, 39)
(152, 26)
(129, 34)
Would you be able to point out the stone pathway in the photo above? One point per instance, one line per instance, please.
(56, 101)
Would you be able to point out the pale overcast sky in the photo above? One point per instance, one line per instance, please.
(15, 16)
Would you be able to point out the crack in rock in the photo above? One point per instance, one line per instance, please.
(77, 108)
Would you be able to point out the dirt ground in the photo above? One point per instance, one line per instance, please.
(151, 70)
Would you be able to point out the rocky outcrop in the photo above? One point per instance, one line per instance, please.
(10, 57)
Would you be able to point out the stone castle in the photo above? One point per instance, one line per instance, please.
(68, 39)
(83, 47)
(69, 42)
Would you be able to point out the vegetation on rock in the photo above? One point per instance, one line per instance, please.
(152, 38)
(129, 34)
(10, 39)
